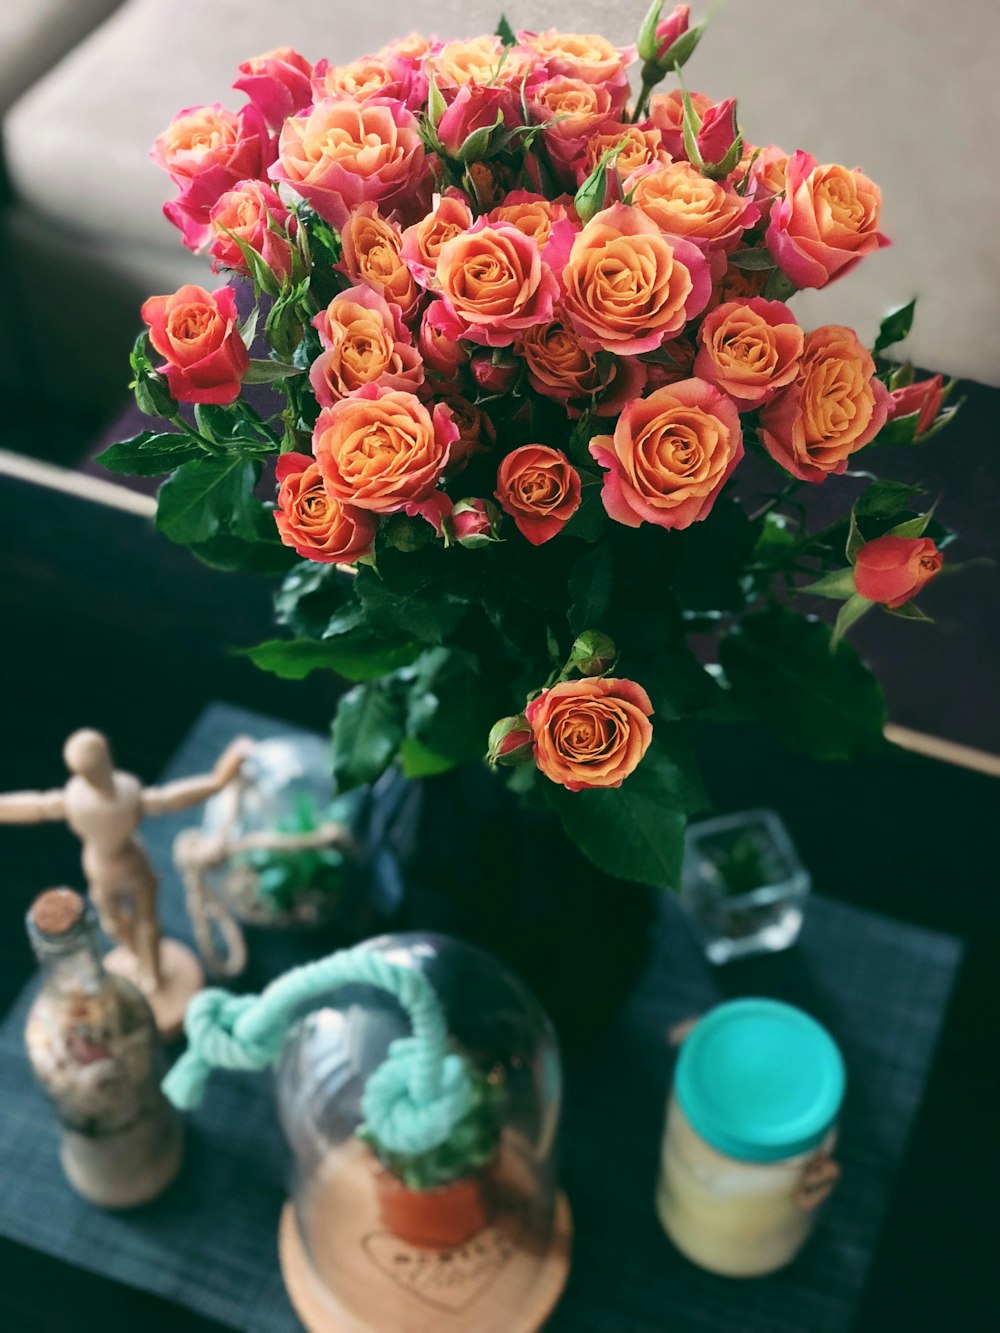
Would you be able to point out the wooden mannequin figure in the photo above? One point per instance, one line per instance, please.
(104, 808)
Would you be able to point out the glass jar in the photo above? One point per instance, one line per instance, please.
(371, 1242)
(743, 885)
(749, 1133)
(92, 1043)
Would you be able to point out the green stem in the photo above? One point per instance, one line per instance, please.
(187, 429)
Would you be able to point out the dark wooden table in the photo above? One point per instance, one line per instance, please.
(105, 624)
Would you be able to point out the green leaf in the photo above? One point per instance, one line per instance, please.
(894, 327)
(266, 372)
(590, 197)
(752, 261)
(885, 499)
(590, 522)
(913, 527)
(826, 704)
(775, 541)
(779, 287)
(367, 731)
(909, 611)
(505, 32)
(636, 831)
(316, 598)
(855, 540)
(205, 497)
(853, 609)
(711, 559)
(418, 761)
(838, 585)
(422, 593)
(899, 430)
(451, 706)
(356, 656)
(436, 105)
(590, 585)
(646, 42)
(149, 454)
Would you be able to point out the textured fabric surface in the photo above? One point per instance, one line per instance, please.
(210, 1242)
(35, 33)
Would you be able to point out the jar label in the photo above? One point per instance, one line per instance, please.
(819, 1176)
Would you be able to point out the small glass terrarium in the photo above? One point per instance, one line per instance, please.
(471, 1235)
(277, 847)
(743, 885)
(419, 1087)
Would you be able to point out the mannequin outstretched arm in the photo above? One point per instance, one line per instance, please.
(186, 792)
(31, 807)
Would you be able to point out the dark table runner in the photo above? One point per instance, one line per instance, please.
(209, 1243)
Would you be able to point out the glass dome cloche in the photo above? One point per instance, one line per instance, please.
(419, 1087)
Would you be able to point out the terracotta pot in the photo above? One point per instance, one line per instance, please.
(436, 1219)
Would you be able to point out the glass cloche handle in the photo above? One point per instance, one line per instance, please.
(412, 1102)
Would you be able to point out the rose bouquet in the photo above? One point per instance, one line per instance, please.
(542, 417)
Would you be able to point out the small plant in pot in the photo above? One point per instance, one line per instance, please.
(440, 1198)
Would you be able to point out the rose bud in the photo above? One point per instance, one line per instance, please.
(495, 373)
(511, 741)
(593, 653)
(664, 43)
(923, 397)
(891, 569)
(472, 523)
(718, 134)
(467, 128)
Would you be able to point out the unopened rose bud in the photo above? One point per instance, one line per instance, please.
(593, 653)
(496, 372)
(511, 742)
(719, 144)
(472, 523)
(664, 43)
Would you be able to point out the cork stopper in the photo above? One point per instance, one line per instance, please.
(57, 912)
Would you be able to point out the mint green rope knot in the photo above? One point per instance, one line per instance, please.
(397, 1119)
(210, 1025)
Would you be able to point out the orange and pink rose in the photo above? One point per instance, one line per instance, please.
(834, 408)
(891, 569)
(540, 489)
(670, 455)
(592, 732)
(750, 350)
(278, 83)
(254, 214)
(365, 342)
(373, 253)
(924, 396)
(198, 334)
(312, 522)
(493, 280)
(382, 450)
(824, 223)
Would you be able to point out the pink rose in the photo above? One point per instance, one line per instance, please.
(923, 397)
(423, 241)
(278, 83)
(825, 221)
(670, 456)
(718, 131)
(438, 340)
(366, 342)
(475, 109)
(254, 213)
(495, 372)
(668, 30)
(207, 150)
(317, 526)
(750, 350)
(891, 569)
(343, 153)
(198, 334)
(385, 75)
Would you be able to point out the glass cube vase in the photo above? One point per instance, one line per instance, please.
(743, 885)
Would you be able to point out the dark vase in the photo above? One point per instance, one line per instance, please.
(464, 856)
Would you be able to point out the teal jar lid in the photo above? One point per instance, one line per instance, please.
(759, 1080)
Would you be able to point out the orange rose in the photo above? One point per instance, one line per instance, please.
(373, 253)
(824, 222)
(198, 333)
(750, 350)
(382, 450)
(482, 61)
(640, 148)
(560, 367)
(590, 733)
(835, 407)
(572, 110)
(366, 343)
(341, 153)
(371, 76)
(475, 431)
(580, 55)
(891, 569)
(627, 287)
(670, 456)
(493, 280)
(540, 489)
(312, 522)
(423, 241)
(683, 202)
(531, 213)
(737, 284)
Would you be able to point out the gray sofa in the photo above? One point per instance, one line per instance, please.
(887, 87)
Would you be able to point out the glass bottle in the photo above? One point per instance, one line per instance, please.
(93, 1045)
